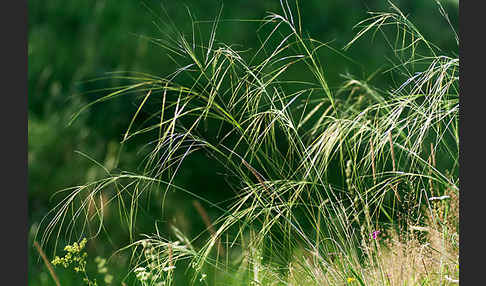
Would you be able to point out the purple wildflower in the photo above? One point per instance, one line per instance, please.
(374, 234)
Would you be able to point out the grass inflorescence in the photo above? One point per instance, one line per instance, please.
(349, 186)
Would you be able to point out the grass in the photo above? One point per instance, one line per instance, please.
(334, 186)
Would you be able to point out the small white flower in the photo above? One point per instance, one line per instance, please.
(168, 268)
(439, 198)
(203, 277)
(451, 280)
(143, 276)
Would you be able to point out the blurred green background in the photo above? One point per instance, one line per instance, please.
(70, 42)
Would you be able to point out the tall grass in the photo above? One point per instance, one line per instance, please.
(335, 187)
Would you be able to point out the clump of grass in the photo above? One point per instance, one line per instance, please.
(282, 142)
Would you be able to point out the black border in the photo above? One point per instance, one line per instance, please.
(13, 23)
(471, 128)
